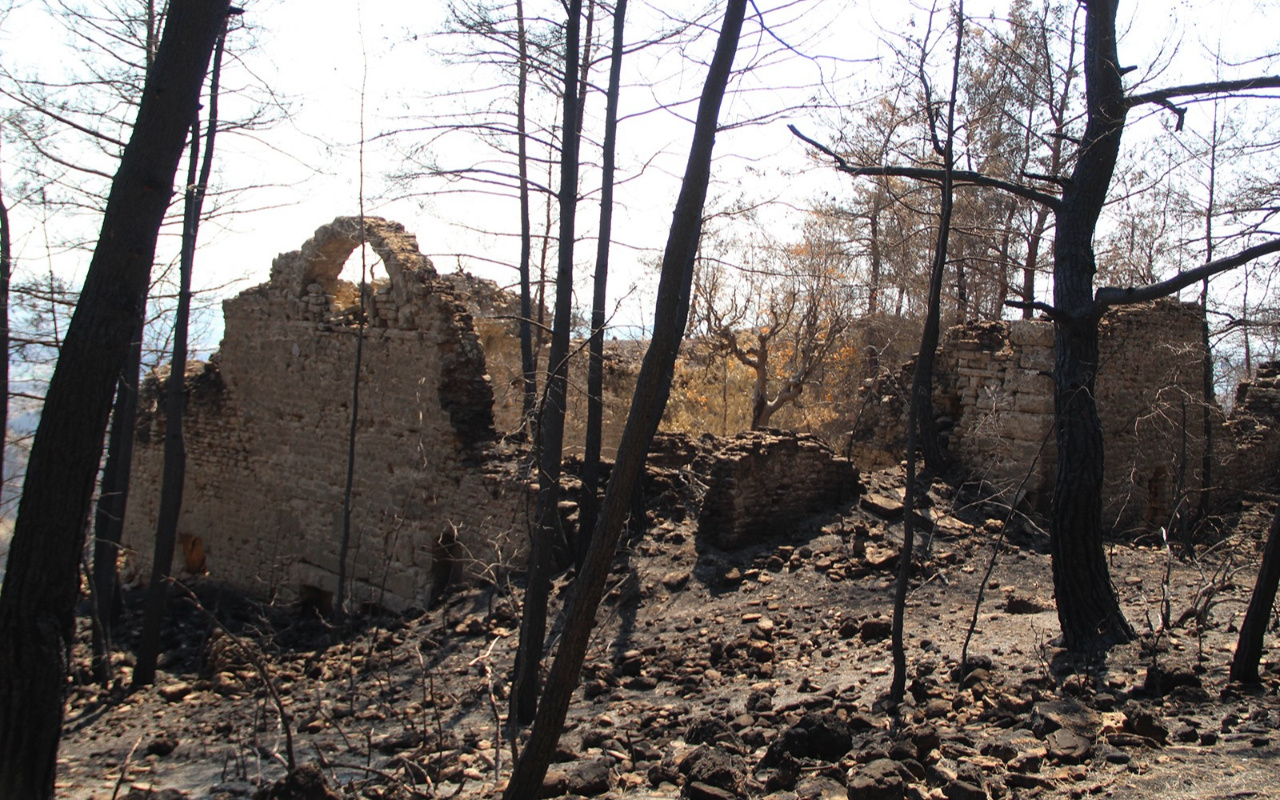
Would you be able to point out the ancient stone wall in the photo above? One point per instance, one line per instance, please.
(1248, 453)
(995, 391)
(435, 493)
(267, 433)
(761, 482)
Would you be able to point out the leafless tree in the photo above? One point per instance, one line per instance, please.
(37, 602)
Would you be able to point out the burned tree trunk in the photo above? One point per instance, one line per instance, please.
(652, 390)
(1244, 666)
(113, 501)
(595, 356)
(37, 604)
(548, 532)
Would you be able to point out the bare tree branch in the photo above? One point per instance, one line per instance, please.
(963, 177)
(1112, 296)
(1164, 96)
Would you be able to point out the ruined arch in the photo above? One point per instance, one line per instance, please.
(320, 259)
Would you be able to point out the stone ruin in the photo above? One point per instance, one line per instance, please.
(267, 433)
(996, 390)
(437, 496)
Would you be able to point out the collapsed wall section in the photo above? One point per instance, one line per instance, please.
(267, 438)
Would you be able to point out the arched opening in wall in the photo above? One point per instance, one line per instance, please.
(362, 261)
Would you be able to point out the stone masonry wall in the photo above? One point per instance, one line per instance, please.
(994, 388)
(267, 431)
(760, 482)
(1249, 453)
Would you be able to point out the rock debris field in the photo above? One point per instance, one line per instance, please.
(754, 673)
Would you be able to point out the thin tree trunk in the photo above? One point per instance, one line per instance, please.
(652, 389)
(1244, 665)
(1207, 409)
(175, 400)
(113, 501)
(528, 363)
(1033, 255)
(588, 508)
(935, 458)
(344, 542)
(1206, 417)
(37, 603)
(873, 291)
(548, 533)
(920, 413)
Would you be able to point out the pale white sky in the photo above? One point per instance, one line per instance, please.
(316, 55)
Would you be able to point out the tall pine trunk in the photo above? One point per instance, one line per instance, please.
(1088, 609)
(174, 474)
(548, 532)
(528, 362)
(652, 389)
(37, 603)
(595, 366)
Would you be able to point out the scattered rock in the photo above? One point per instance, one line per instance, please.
(818, 735)
(963, 790)
(1067, 746)
(820, 787)
(1022, 604)
(881, 779)
(162, 745)
(307, 782)
(174, 692)
(715, 767)
(589, 778)
(150, 793)
(1146, 724)
(882, 505)
(875, 630)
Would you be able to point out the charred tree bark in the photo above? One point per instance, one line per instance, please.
(1088, 608)
(6, 277)
(1244, 665)
(920, 413)
(548, 532)
(652, 389)
(175, 447)
(595, 355)
(37, 604)
(528, 364)
(113, 501)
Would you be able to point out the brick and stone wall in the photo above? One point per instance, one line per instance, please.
(1249, 453)
(436, 494)
(267, 432)
(995, 389)
(760, 483)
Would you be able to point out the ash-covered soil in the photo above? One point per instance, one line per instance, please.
(712, 674)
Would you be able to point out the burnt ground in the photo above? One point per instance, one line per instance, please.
(712, 674)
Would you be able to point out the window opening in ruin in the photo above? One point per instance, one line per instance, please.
(346, 297)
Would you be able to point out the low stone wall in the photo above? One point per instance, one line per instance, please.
(759, 483)
(267, 434)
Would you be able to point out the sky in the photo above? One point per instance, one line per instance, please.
(337, 65)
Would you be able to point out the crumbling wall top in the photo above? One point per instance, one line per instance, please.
(321, 258)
